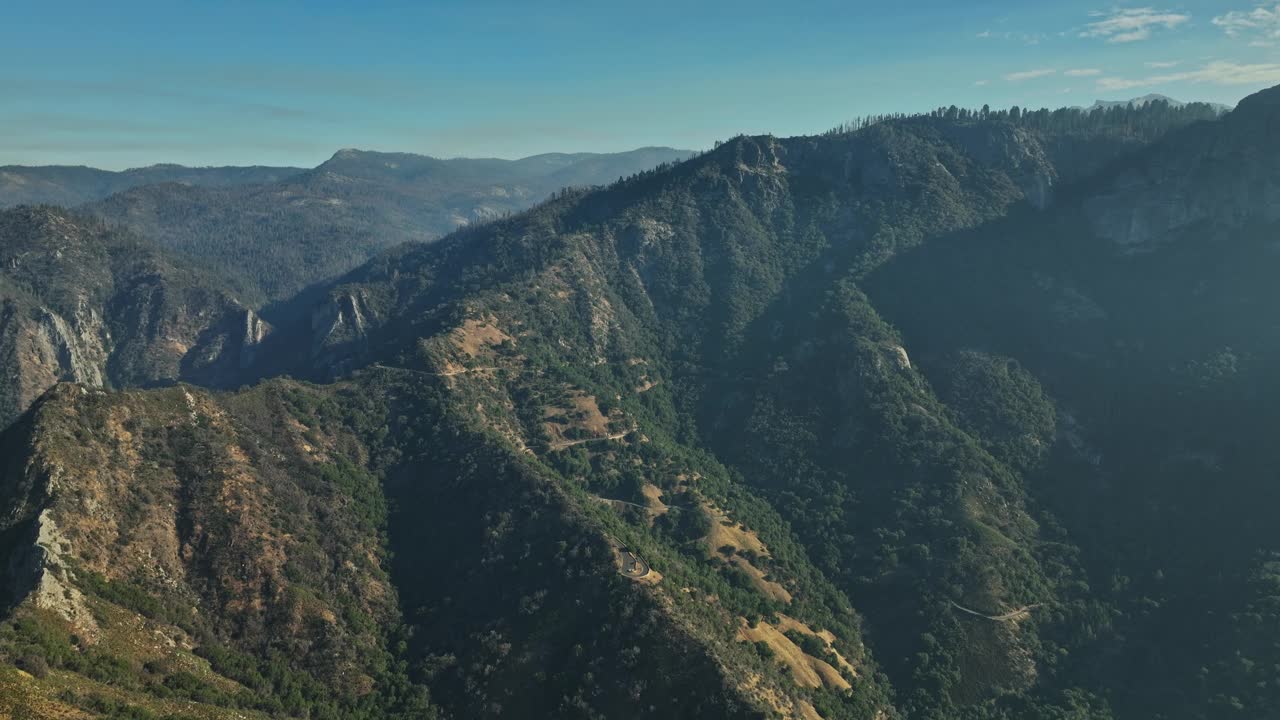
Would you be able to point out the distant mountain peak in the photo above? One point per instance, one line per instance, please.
(359, 154)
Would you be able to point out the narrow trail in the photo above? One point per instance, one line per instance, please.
(1019, 614)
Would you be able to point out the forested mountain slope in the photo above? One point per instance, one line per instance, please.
(652, 450)
(1135, 323)
(84, 303)
(274, 239)
(236, 555)
(733, 282)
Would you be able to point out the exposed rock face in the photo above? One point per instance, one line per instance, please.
(83, 304)
(255, 331)
(53, 588)
(80, 345)
(39, 347)
(37, 568)
(340, 329)
(1227, 176)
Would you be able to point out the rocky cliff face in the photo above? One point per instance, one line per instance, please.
(1224, 173)
(42, 348)
(84, 304)
(340, 330)
(39, 565)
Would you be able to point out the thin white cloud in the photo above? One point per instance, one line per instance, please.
(1029, 74)
(1131, 24)
(1022, 37)
(1215, 73)
(1082, 72)
(1260, 25)
(980, 83)
(1162, 65)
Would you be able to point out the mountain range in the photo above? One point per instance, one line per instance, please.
(74, 185)
(271, 232)
(955, 415)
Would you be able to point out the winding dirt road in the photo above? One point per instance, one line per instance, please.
(633, 566)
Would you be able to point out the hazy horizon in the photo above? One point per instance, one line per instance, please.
(384, 151)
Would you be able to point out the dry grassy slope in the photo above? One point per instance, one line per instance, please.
(513, 358)
(555, 629)
(154, 526)
(65, 694)
(652, 627)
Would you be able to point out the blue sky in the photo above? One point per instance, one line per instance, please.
(133, 83)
